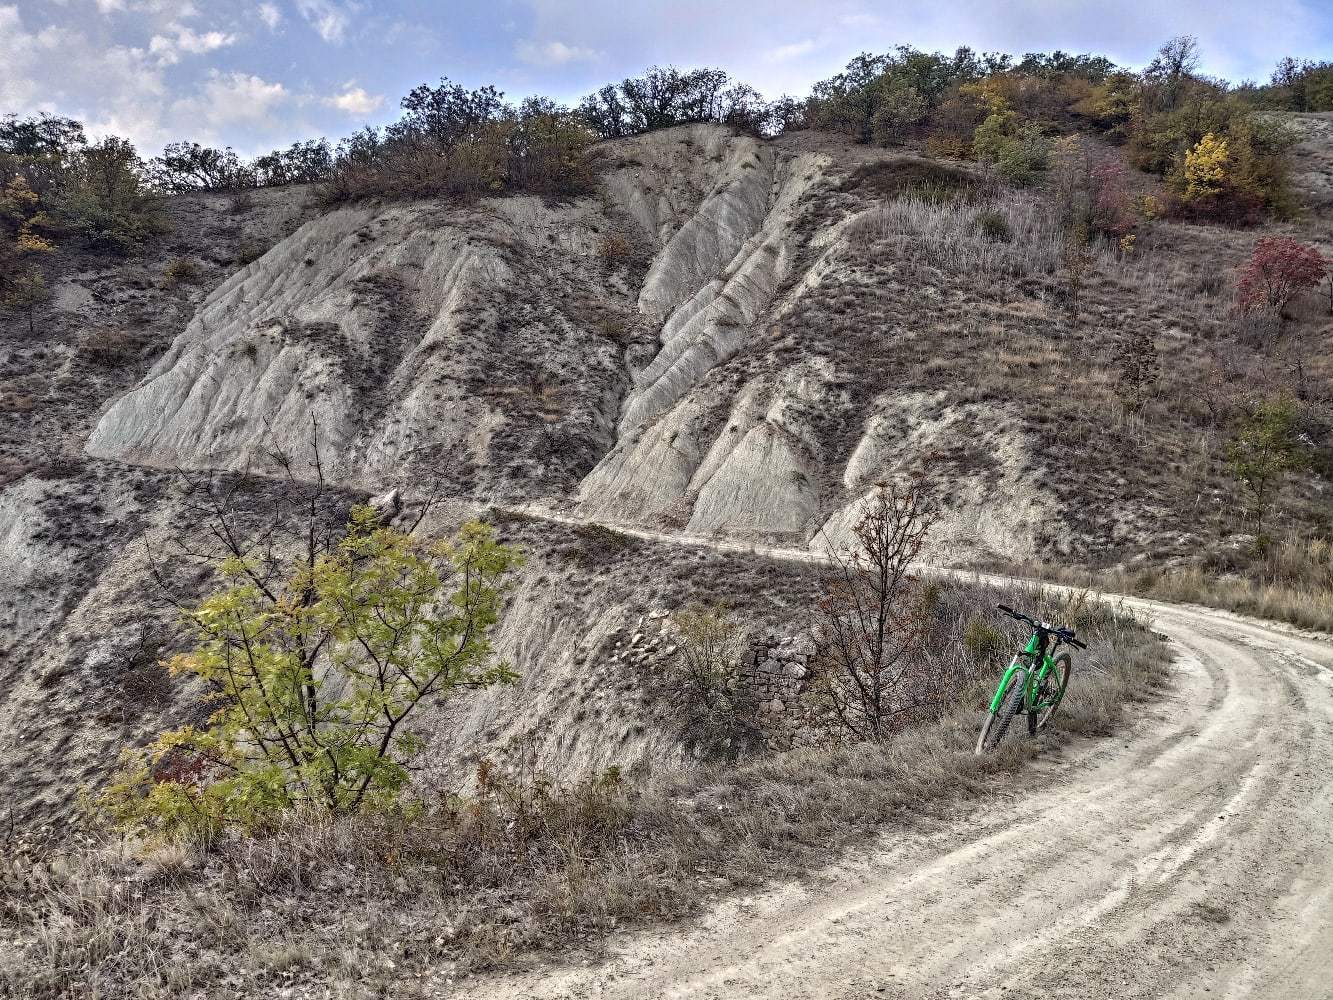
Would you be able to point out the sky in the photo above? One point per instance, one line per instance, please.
(258, 74)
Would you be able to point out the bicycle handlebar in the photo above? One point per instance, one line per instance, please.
(1063, 634)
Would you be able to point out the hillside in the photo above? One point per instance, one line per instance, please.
(733, 338)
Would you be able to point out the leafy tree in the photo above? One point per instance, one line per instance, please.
(38, 149)
(666, 96)
(1279, 269)
(42, 134)
(1205, 167)
(188, 166)
(103, 200)
(1266, 448)
(300, 163)
(315, 675)
(24, 292)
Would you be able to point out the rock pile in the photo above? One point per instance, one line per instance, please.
(775, 673)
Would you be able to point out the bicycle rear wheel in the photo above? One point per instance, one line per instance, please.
(999, 721)
(1051, 693)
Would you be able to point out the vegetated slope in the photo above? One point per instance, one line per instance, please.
(733, 337)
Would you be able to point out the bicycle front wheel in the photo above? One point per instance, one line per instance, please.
(999, 721)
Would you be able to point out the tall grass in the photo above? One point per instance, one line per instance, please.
(1015, 236)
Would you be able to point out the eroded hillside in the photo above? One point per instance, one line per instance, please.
(733, 337)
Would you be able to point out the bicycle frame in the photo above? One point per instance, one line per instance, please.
(1033, 653)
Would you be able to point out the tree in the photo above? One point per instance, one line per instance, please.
(1266, 447)
(315, 674)
(1279, 269)
(24, 292)
(188, 166)
(42, 134)
(103, 199)
(872, 624)
(1205, 168)
(300, 163)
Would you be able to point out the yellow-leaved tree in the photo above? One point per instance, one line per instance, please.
(1205, 167)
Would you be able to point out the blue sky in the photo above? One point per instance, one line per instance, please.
(255, 74)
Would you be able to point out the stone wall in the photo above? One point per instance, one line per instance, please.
(776, 671)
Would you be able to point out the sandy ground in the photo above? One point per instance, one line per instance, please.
(1191, 858)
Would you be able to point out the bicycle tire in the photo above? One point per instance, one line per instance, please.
(1064, 665)
(998, 723)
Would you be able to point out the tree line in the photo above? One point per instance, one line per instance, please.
(1223, 160)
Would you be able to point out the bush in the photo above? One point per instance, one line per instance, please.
(614, 249)
(1017, 148)
(1279, 270)
(718, 710)
(993, 226)
(314, 678)
(180, 271)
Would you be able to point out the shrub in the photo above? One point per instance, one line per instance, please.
(181, 271)
(614, 249)
(108, 347)
(993, 226)
(983, 641)
(1265, 448)
(718, 711)
(314, 677)
(1205, 168)
(1279, 270)
(1018, 149)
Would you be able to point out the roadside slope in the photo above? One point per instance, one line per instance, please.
(1196, 856)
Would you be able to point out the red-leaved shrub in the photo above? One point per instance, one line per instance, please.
(1279, 270)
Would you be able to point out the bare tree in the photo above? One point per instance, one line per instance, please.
(871, 618)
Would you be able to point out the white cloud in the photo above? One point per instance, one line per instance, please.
(168, 48)
(355, 101)
(329, 19)
(270, 15)
(792, 51)
(227, 100)
(553, 53)
(20, 54)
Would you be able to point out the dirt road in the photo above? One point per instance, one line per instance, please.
(1190, 858)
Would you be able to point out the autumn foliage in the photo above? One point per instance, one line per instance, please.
(1279, 270)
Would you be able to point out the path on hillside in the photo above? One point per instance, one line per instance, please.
(1192, 858)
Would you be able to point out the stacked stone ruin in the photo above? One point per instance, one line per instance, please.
(777, 671)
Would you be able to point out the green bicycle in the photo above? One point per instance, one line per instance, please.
(1034, 684)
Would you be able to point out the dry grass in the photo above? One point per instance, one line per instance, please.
(958, 237)
(409, 901)
(1291, 582)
